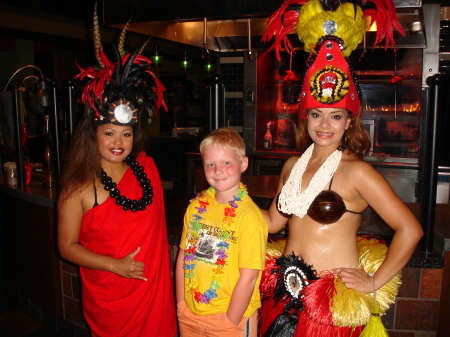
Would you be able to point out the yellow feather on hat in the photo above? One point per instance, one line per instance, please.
(349, 20)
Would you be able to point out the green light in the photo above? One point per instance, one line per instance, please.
(157, 60)
(185, 64)
(157, 57)
(208, 67)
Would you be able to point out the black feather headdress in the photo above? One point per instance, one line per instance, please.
(119, 92)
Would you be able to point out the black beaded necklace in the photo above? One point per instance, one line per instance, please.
(132, 204)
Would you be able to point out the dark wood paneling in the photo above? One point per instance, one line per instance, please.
(28, 254)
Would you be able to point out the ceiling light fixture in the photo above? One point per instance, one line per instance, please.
(185, 63)
(206, 55)
(157, 57)
(249, 37)
(209, 65)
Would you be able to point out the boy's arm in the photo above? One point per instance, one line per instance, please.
(242, 294)
(179, 276)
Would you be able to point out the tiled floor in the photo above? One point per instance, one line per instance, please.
(15, 323)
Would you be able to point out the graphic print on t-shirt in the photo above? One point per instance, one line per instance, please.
(210, 243)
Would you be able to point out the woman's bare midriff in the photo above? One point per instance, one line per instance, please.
(325, 247)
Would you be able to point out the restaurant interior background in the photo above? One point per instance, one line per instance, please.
(230, 81)
(229, 76)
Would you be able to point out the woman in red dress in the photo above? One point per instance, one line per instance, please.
(111, 220)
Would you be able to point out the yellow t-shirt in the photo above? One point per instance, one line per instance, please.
(207, 249)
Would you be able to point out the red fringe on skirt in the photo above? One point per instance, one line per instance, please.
(316, 320)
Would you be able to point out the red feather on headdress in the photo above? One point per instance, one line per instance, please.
(280, 24)
(103, 76)
(385, 17)
(98, 79)
(129, 79)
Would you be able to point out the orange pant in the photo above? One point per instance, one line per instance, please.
(217, 325)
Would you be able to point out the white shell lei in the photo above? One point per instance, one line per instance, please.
(291, 199)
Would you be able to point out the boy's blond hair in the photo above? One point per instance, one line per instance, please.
(226, 137)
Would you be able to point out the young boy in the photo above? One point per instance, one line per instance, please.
(222, 248)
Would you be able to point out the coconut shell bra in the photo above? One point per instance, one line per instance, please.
(326, 208)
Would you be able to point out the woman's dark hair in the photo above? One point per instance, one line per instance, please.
(356, 139)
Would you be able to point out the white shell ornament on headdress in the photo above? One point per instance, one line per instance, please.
(123, 113)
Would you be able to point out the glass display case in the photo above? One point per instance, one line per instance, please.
(392, 118)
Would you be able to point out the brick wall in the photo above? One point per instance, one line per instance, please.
(415, 312)
(75, 324)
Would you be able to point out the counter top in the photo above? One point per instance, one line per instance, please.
(34, 192)
(164, 136)
(373, 159)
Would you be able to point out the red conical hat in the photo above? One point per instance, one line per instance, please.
(330, 31)
(328, 80)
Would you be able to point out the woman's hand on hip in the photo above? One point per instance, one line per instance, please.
(356, 279)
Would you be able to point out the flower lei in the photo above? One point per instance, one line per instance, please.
(223, 246)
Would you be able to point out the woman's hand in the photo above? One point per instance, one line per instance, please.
(130, 268)
(356, 279)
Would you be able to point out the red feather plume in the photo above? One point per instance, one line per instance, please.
(386, 19)
(285, 19)
(280, 24)
(101, 77)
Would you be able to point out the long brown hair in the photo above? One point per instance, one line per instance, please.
(82, 160)
(356, 139)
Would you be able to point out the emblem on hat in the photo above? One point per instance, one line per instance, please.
(329, 85)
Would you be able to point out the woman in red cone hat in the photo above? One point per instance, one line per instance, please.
(324, 279)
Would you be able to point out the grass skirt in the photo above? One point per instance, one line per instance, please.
(329, 307)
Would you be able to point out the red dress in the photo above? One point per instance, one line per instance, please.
(118, 306)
